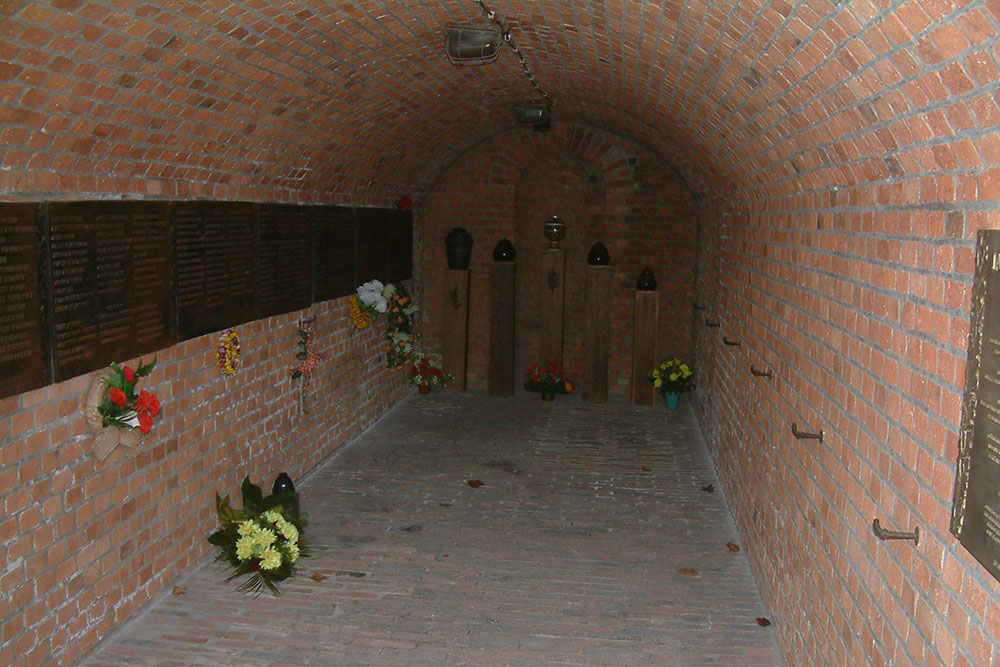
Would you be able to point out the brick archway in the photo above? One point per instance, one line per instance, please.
(606, 188)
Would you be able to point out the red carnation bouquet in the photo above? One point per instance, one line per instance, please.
(423, 373)
(122, 406)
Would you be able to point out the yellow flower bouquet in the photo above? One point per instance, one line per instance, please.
(672, 377)
(263, 540)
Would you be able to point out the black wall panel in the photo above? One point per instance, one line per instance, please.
(83, 284)
(284, 273)
(23, 359)
(333, 252)
(216, 254)
(110, 283)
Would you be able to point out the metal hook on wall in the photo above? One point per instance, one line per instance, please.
(805, 435)
(884, 534)
(455, 303)
(714, 324)
(730, 342)
(759, 374)
(696, 306)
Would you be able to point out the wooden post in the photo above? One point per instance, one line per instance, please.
(598, 329)
(647, 311)
(455, 328)
(553, 289)
(501, 378)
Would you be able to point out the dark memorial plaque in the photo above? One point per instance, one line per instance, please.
(372, 226)
(975, 516)
(110, 283)
(333, 244)
(22, 366)
(284, 279)
(400, 245)
(216, 244)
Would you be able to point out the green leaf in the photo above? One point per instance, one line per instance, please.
(252, 495)
(279, 500)
(222, 507)
(145, 369)
(117, 379)
(218, 538)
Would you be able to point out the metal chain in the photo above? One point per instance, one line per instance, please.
(509, 40)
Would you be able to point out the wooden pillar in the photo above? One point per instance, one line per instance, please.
(598, 329)
(647, 311)
(553, 289)
(501, 378)
(455, 328)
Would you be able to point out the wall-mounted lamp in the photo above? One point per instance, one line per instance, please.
(471, 45)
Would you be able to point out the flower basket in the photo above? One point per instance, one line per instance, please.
(264, 540)
(424, 374)
(547, 380)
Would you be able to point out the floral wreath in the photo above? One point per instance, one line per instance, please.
(227, 354)
(375, 298)
(367, 304)
(116, 414)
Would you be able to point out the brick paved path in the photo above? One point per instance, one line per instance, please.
(590, 542)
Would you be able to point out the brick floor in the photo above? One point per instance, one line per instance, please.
(590, 542)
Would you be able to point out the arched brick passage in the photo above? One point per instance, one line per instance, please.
(605, 188)
(839, 159)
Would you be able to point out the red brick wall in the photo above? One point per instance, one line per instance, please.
(605, 189)
(843, 156)
(860, 308)
(86, 543)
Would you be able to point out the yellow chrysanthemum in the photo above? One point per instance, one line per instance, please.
(270, 559)
(674, 377)
(244, 547)
(265, 537)
(292, 549)
(247, 527)
(658, 383)
(289, 532)
(272, 516)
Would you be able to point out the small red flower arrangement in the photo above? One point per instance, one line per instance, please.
(424, 373)
(547, 379)
(122, 406)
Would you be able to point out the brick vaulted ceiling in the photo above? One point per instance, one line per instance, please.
(336, 100)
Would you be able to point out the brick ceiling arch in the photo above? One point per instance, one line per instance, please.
(335, 100)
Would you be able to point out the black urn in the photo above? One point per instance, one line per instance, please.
(647, 281)
(283, 484)
(458, 248)
(598, 255)
(504, 251)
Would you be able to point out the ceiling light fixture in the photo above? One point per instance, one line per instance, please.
(532, 115)
(504, 33)
(471, 45)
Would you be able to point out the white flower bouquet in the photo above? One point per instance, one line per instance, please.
(372, 297)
